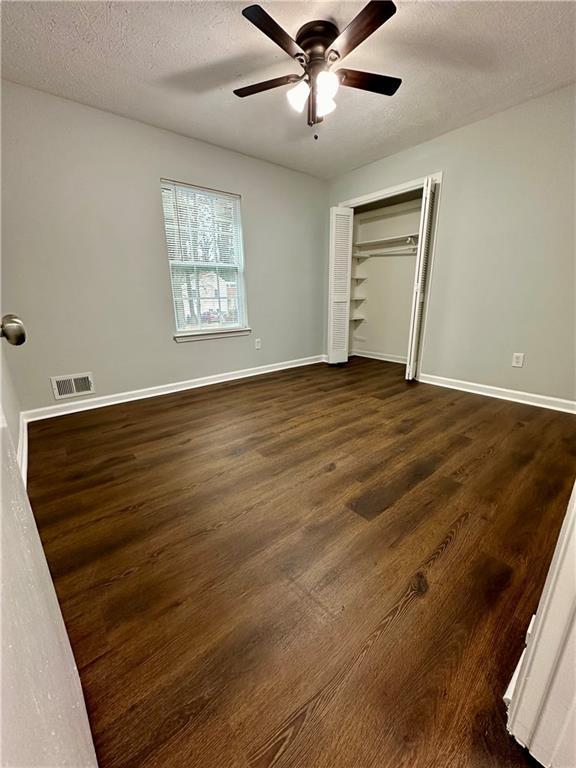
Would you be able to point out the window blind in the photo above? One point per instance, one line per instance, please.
(204, 243)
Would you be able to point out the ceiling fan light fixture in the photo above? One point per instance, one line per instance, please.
(327, 85)
(298, 96)
(325, 106)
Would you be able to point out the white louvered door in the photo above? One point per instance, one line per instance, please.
(340, 267)
(420, 277)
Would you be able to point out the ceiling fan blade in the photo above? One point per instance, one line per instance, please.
(266, 85)
(367, 21)
(369, 81)
(273, 30)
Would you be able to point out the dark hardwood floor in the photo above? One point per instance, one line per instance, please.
(319, 568)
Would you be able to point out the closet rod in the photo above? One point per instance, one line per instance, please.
(408, 251)
(382, 240)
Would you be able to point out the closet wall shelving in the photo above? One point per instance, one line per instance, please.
(399, 245)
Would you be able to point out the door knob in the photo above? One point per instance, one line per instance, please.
(12, 329)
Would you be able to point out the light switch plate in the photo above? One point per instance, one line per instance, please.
(517, 359)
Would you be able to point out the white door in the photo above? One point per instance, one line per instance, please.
(420, 275)
(43, 720)
(542, 713)
(340, 267)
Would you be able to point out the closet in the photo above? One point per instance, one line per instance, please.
(379, 254)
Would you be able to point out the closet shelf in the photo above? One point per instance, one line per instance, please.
(384, 240)
(358, 298)
(356, 317)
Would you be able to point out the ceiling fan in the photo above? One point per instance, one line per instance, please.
(318, 46)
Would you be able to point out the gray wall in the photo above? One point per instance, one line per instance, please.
(503, 278)
(85, 262)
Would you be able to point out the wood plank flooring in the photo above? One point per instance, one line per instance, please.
(320, 568)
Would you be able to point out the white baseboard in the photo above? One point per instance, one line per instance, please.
(61, 409)
(163, 389)
(530, 398)
(379, 356)
(509, 693)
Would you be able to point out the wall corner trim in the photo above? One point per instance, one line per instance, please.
(516, 396)
(22, 451)
(88, 404)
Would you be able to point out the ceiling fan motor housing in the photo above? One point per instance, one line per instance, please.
(316, 37)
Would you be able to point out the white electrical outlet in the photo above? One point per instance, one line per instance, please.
(258, 343)
(517, 359)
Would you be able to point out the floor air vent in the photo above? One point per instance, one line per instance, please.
(72, 386)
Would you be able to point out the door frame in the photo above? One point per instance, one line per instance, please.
(384, 194)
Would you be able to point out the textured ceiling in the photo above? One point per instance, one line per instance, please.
(174, 65)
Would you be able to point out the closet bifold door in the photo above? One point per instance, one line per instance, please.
(340, 267)
(420, 276)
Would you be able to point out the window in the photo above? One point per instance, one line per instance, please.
(204, 241)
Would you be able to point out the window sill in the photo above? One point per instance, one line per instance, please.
(207, 335)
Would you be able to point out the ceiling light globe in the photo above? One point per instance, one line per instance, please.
(325, 106)
(298, 96)
(327, 84)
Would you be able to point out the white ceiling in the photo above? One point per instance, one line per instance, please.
(174, 65)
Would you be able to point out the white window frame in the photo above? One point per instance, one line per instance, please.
(214, 332)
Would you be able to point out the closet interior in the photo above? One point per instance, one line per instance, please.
(379, 252)
(384, 251)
